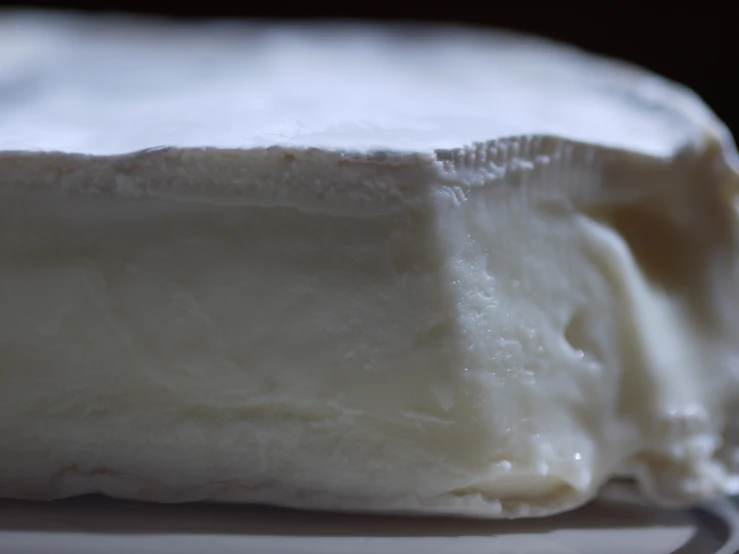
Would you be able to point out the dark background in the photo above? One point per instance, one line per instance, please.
(697, 45)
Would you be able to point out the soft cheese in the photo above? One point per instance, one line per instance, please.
(356, 268)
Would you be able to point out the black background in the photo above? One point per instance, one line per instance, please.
(697, 45)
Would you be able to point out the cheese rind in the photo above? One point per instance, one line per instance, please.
(69, 81)
(406, 285)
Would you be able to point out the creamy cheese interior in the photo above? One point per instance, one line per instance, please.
(357, 280)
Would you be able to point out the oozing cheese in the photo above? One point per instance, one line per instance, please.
(357, 268)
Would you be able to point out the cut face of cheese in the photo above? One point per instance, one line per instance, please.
(413, 270)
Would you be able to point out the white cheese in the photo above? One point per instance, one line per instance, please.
(358, 268)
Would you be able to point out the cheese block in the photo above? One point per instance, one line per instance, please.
(351, 267)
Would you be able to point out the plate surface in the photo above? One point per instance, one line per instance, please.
(95, 525)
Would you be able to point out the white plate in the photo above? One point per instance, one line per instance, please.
(100, 526)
